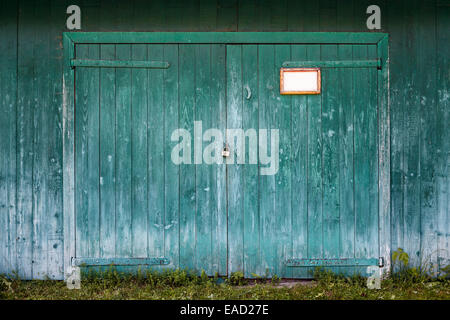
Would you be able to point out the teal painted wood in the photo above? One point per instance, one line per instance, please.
(139, 154)
(107, 156)
(171, 171)
(68, 115)
(280, 235)
(315, 249)
(442, 137)
(398, 82)
(361, 158)
(427, 152)
(83, 262)
(91, 63)
(155, 151)
(330, 157)
(366, 169)
(40, 156)
(187, 172)
(334, 64)
(373, 240)
(266, 57)
(8, 140)
(90, 181)
(25, 147)
(218, 186)
(53, 205)
(123, 155)
(333, 262)
(299, 173)
(235, 198)
(283, 195)
(204, 196)
(87, 155)
(226, 37)
(81, 115)
(384, 154)
(250, 188)
(143, 17)
(346, 138)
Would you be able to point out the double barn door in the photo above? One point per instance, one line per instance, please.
(135, 206)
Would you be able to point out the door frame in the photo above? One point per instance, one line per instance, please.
(70, 39)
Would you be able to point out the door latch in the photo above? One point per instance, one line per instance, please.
(226, 151)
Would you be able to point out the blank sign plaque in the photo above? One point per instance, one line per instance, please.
(300, 81)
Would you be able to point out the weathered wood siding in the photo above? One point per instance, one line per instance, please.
(31, 217)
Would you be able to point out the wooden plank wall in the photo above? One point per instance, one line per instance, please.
(31, 215)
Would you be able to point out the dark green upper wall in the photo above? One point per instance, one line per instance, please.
(31, 217)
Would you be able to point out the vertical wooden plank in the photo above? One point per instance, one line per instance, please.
(8, 103)
(81, 236)
(283, 193)
(187, 171)
(331, 153)
(268, 91)
(346, 138)
(330, 141)
(262, 16)
(25, 131)
(172, 11)
(139, 154)
(218, 186)
(93, 170)
(69, 183)
(250, 171)
(443, 135)
(299, 174)
(207, 15)
(361, 158)
(107, 155)
(247, 11)
(397, 86)
(227, 19)
(310, 16)
(315, 248)
(171, 171)
(54, 140)
(426, 19)
(279, 15)
(203, 172)
(87, 154)
(153, 11)
(344, 16)
(234, 170)
(155, 164)
(384, 196)
(189, 17)
(372, 154)
(40, 134)
(123, 154)
(108, 21)
(92, 181)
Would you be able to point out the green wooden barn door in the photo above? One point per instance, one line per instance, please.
(321, 207)
(134, 205)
